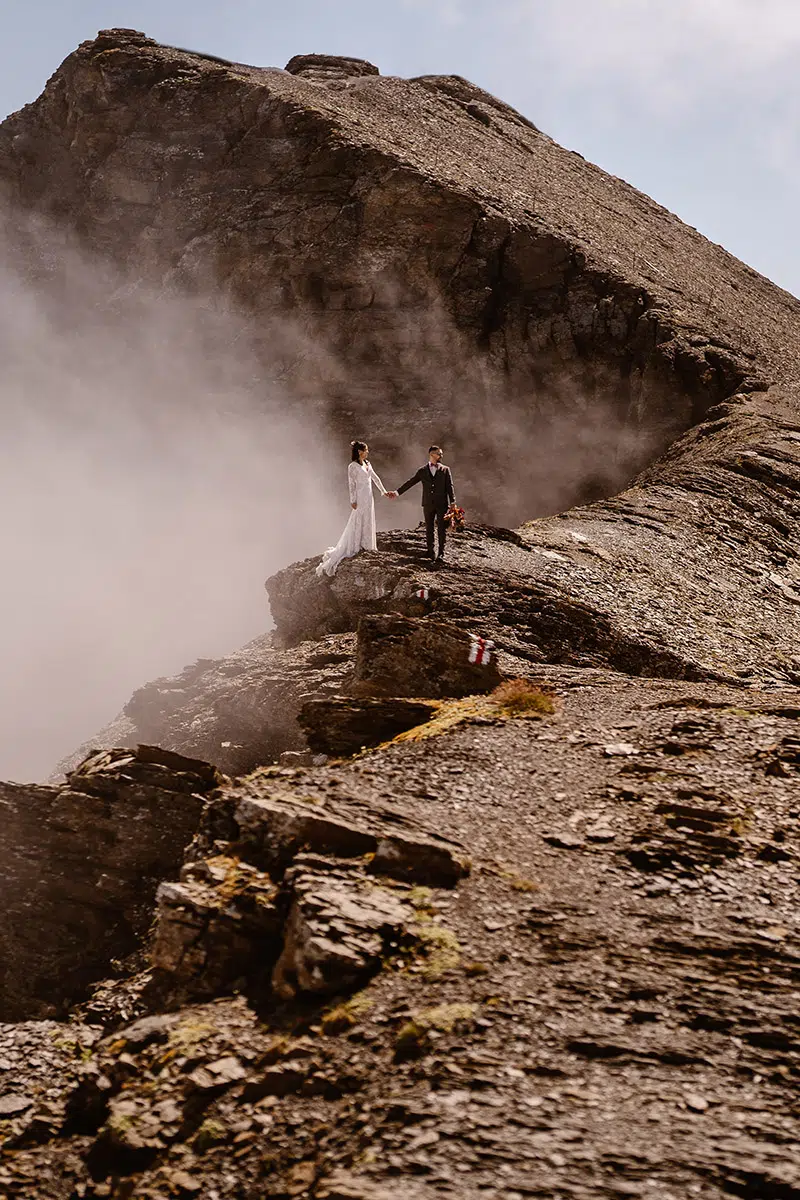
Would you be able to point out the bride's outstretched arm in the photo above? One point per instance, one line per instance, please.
(376, 480)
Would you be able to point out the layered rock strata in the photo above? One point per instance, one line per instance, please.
(279, 896)
(605, 1004)
(454, 268)
(81, 866)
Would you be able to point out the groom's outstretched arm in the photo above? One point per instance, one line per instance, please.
(409, 483)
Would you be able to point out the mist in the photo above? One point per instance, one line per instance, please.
(152, 475)
(162, 452)
(526, 435)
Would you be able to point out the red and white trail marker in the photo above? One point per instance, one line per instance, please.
(423, 593)
(480, 650)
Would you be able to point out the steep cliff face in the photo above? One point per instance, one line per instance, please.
(540, 941)
(468, 279)
(81, 867)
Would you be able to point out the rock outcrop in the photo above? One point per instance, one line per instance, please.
(281, 896)
(344, 725)
(522, 280)
(545, 941)
(240, 711)
(81, 866)
(429, 239)
(610, 992)
(408, 657)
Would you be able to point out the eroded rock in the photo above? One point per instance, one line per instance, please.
(346, 724)
(329, 66)
(81, 866)
(269, 826)
(217, 926)
(340, 925)
(404, 656)
(238, 712)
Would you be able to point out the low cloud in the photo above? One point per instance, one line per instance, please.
(151, 475)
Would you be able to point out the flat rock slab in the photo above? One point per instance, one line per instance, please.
(269, 825)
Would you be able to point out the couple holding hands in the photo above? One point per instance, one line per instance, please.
(359, 534)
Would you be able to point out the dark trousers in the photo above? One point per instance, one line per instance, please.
(431, 516)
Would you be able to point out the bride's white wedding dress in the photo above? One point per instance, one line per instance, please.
(359, 532)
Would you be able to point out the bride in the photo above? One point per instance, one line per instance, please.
(359, 532)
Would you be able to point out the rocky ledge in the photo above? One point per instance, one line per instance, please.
(521, 918)
(604, 1004)
(430, 243)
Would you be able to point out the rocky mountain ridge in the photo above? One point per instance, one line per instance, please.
(413, 931)
(452, 267)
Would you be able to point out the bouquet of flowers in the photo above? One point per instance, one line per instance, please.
(454, 518)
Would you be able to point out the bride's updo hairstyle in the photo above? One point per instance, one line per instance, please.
(355, 448)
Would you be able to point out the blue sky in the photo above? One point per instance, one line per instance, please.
(696, 102)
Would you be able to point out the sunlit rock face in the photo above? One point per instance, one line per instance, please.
(450, 932)
(417, 262)
(460, 277)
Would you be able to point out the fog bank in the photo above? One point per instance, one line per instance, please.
(151, 476)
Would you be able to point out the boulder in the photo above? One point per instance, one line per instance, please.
(329, 66)
(304, 606)
(292, 901)
(344, 725)
(218, 925)
(341, 925)
(268, 827)
(407, 656)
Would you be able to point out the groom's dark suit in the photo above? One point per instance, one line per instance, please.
(437, 496)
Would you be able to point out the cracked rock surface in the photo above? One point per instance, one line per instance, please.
(426, 237)
(505, 952)
(571, 1018)
(81, 866)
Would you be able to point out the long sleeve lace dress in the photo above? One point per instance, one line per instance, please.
(359, 532)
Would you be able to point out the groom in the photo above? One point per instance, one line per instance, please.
(437, 496)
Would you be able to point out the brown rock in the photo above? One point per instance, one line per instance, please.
(240, 711)
(340, 925)
(269, 828)
(405, 656)
(81, 866)
(329, 66)
(344, 725)
(218, 925)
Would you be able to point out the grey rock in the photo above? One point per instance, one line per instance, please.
(340, 925)
(238, 712)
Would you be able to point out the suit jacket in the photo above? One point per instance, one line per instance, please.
(437, 489)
